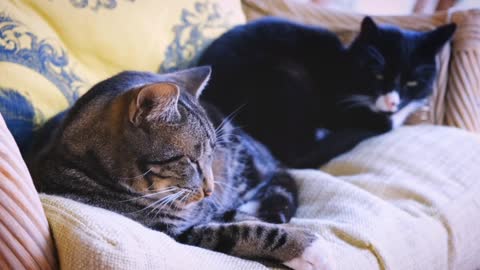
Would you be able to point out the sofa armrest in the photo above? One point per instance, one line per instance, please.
(462, 99)
(25, 240)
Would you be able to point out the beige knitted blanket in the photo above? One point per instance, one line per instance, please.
(406, 200)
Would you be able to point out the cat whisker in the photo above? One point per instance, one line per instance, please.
(155, 212)
(158, 209)
(356, 101)
(160, 191)
(221, 132)
(169, 203)
(164, 202)
(357, 104)
(229, 117)
(160, 201)
(222, 124)
(226, 186)
(215, 202)
(228, 137)
(150, 205)
(228, 132)
(176, 198)
(185, 196)
(171, 198)
(355, 98)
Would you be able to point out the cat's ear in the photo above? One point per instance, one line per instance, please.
(434, 40)
(368, 27)
(155, 102)
(194, 79)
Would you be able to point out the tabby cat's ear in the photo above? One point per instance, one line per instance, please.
(368, 27)
(194, 79)
(155, 102)
(434, 40)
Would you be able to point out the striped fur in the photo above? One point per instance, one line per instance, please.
(141, 145)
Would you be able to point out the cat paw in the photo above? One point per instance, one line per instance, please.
(275, 218)
(314, 257)
(402, 115)
(275, 209)
(398, 120)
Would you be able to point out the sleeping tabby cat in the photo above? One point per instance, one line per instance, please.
(140, 144)
(284, 81)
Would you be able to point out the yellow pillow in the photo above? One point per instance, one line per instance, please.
(53, 51)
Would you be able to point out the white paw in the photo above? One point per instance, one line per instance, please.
(250, 207)
(397, 120)
(314, 257)
(401, 116)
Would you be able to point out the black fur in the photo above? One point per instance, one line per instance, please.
(283, 81)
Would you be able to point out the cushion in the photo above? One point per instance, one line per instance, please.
(404, 200)
(466, 4)
(457, 88)
(51, 52)
(25, 240)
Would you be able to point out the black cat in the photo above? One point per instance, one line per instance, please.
(283, 81)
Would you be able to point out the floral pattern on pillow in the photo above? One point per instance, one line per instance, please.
(96, 4)
(191, 35)
(20, 46)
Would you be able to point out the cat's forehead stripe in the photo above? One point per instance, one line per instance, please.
(203, 122)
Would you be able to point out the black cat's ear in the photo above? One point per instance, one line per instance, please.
(155, 102)
(194, 79)
(368, 27)
(434, 40)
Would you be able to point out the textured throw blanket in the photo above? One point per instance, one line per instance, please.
(409, 199)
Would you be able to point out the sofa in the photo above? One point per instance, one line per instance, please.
(404, 200)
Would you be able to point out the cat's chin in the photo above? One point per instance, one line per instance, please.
(193, 200)
(384, 110)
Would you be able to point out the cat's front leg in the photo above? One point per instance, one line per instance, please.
(362, 118)
(384, 122)
(294, 247)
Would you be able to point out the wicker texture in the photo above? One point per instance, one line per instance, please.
(463, 98)
(25, 241)
(457, 87)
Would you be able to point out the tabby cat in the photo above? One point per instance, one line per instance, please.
(140, 144)
(286, 81)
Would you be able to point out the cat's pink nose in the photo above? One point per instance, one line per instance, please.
(391, 104)
(207, 192)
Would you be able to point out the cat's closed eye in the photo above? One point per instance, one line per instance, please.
(166, 161)
(162, 173)
(411, 83)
